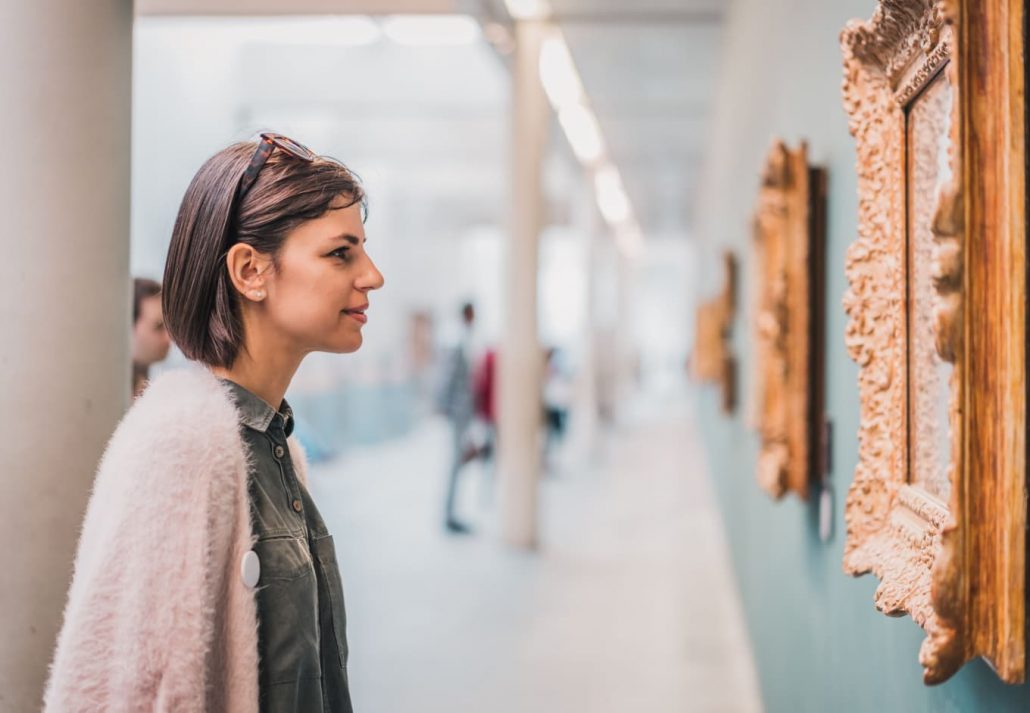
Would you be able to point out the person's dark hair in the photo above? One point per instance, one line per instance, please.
(201, 305)
(142, 288)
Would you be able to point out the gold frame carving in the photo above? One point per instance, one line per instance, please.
(713, 359)
(788, 230)
(958, 568)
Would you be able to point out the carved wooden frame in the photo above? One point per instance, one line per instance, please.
(713, 360)
(958, 568)
(788, 232)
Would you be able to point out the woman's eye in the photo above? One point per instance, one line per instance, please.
(342, 253)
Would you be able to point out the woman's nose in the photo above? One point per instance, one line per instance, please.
(373, 279)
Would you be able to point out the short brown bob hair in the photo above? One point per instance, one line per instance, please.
(201, 305)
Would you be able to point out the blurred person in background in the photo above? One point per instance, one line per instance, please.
(485, 400)
(455, 400)
(557, 398)
(205, 578)
(150, 341)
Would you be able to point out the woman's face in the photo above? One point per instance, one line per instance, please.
(318, 295)
(150, 340)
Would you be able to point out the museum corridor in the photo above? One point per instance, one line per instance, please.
(514, 356)
(629, 604)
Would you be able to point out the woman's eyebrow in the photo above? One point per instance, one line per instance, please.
(352, 239)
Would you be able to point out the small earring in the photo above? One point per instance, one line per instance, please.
(258, 294)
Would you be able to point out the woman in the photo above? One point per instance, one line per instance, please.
(205, 578)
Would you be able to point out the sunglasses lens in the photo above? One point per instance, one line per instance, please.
(291, 147)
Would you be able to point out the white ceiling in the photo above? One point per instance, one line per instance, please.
(648, 66)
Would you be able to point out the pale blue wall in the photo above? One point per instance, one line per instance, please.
(819, 644)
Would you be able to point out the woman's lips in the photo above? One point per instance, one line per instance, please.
(357, 313)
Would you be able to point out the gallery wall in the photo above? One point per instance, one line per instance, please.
(818, 641)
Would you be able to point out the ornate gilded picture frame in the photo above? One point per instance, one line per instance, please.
(789, 231)
(712, 359)
(934, 92)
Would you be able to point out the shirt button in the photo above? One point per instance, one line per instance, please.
(279, 451)
(298, 505)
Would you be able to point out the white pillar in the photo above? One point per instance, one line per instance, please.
(584, 418)
(626, 349)
(520, 359)
(65, 85)
(605, 316)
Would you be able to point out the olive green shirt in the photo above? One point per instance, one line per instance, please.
(302, 642)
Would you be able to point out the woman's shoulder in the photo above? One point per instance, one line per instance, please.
(185, 401)
(184, 417)
(185, 386)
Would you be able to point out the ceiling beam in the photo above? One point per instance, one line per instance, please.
(637, 18)
(297, 7)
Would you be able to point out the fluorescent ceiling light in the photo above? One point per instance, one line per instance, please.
(565, 91)
(614, 207)
(432, 30)
(630, 240)
(583, 132)
(607, 180)
(611, 197)
(355, 30)
(558, 73)
(330, 30)
(528, 9)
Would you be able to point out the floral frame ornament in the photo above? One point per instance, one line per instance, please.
(934, 92)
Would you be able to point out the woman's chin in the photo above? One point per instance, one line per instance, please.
(345, 345)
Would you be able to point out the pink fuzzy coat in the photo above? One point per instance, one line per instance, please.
(158, 616)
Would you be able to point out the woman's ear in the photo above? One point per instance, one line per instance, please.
(247, 268)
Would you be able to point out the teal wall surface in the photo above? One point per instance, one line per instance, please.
(819, 644)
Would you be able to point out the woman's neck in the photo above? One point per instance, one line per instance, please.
(267, 378)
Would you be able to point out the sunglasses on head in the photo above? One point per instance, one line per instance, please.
(269, 143)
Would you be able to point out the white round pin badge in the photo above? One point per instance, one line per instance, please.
(250, 569)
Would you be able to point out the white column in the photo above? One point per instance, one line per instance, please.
(626, 349)
(65, 85)
(605, 316)
(584, 418)
(520, 359)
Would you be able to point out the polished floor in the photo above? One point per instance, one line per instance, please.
(629, 604)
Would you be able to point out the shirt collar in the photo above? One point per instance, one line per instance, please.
(255, 412)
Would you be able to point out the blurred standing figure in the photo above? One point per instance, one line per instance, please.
(557, 398)
(150, 340)
(456, 402)
(485, 399)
